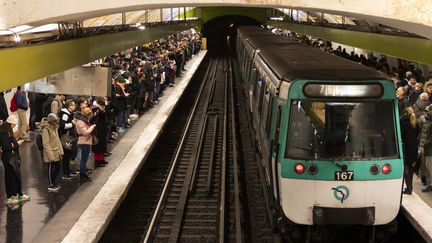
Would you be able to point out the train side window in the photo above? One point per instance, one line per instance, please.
(270, 115)
(265, 109)
(261, 90)
(277, 132)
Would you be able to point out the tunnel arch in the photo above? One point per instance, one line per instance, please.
(221, 31)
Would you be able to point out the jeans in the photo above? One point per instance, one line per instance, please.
(121, 119)
(85, 151)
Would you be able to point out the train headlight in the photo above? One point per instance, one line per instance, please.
(374, 169)
(299, 168)
(386, 168)
(312, 169)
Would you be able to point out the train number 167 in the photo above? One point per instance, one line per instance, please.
(344, 175)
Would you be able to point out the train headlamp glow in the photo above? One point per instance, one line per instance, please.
(321, 90)
(386, 168)
(299, 168)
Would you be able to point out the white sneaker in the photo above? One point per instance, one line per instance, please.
(133, 116)
(24, 197)
(53, 189)
(12, 200)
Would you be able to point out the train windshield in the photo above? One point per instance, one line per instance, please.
(326, 130)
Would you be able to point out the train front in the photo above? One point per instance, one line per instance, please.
(341, 163)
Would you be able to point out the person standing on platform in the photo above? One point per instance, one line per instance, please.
(57, 104)
(85, 139)
(410, 132)
(52, 149)
(22, 105)
(67, 127)
(425, 146)
(11, 162)
(3, 108)
(101, 132)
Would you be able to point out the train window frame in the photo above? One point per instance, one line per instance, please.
(261, 91)
(394, 124)
(265, 108)
(269, 114)
(341, 96)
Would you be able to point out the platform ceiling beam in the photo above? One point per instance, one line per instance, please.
(410, 48)
(25, 64)
(410, 15)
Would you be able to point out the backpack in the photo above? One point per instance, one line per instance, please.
(13, 104)
(39, 141)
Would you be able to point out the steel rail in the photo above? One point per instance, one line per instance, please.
(237, 204)
(174, 164)
(181, 206)
(212, 158)
(223, 212)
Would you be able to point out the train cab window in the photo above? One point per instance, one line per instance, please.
(325, 130)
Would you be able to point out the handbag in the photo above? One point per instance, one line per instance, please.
(68, 142)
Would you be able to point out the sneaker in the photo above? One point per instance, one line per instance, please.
(53, 188)
(133, 116)
(12, 200)
(427, 189)
(67, 178)
(24, 197)
(75, 174)
(122, 130)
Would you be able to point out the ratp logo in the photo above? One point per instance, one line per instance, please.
(341, 193)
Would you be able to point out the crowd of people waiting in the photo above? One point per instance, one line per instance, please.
(67, 128)
(414, 96)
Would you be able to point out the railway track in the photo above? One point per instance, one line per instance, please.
(196, 186)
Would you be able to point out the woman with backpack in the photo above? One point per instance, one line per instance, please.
(11, 162)
(52, 149)
(85, 139)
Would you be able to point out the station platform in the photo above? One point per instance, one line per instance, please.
(418, 209)
(81, 212)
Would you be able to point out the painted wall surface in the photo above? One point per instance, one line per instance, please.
(25, 64)
(409, 48)
(411, 15)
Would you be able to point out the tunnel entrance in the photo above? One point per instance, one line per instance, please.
(221, 32)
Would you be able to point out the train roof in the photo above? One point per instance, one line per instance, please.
(290, 60)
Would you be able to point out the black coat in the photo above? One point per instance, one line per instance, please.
(409, 140)
(6, 142)
(100, 118)
(3, 108)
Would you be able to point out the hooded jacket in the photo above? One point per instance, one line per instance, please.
(83, 129)
(52, 150)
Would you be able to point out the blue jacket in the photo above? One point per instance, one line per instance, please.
(21, 100)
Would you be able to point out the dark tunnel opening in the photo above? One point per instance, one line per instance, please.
(221, 32)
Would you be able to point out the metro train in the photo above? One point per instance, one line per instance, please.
(329, 136)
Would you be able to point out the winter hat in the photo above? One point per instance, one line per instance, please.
(120, 79)
(408, 73)
(12, 120)
(52, 117)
